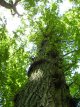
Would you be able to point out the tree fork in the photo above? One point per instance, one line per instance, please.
(11, 5)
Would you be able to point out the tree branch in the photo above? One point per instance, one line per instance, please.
(5, 4)
(11, 6)
(70, 52)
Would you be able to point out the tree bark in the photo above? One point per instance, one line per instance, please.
(5, 4)
(46, 88)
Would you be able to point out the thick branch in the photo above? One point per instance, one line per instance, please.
(11, 6)
(5, 4)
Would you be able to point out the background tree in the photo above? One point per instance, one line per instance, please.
(54, 57)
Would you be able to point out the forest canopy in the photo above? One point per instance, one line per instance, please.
(41, 25)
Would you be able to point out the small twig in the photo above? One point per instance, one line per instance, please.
(70, 52)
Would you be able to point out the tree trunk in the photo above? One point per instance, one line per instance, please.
(46, 87)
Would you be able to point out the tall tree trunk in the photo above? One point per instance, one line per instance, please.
(46, 87)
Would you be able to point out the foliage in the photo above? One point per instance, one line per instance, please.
(12, 67)
(62, 34)
(76, 2)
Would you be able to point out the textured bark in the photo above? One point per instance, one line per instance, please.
(46, 88)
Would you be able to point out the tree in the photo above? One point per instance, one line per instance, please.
(47, 86)
(51, 82)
